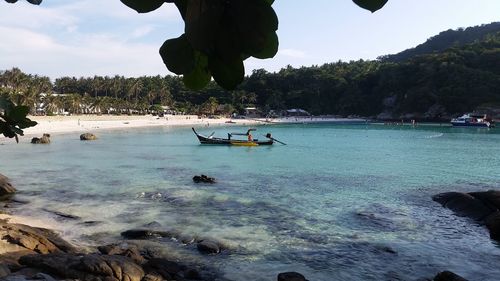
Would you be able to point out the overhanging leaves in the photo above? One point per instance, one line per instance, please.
(371, 5)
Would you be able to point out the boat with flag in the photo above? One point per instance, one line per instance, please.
(230, 140)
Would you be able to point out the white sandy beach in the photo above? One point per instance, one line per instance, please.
(94, 123)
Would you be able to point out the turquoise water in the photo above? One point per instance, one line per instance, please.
(337, 203)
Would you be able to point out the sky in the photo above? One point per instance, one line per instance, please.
(104, 37)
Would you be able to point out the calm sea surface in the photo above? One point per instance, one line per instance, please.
(337, 203)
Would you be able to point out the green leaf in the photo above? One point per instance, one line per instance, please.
(270, 49)
(203, 21)
(200, 76)
(255, 21)
(143, 6)
(371, 5)
(227, 74)
(18, 113)
(178, 55)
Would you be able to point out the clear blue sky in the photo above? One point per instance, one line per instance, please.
(104, 37)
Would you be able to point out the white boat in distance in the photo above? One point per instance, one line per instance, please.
(472, 120)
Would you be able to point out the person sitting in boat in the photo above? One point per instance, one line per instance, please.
(250, 137)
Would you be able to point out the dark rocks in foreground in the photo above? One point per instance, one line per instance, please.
(483, 207)
(6, 187)
(87, 137)
(86, 267)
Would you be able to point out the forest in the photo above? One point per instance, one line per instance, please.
(458, 76)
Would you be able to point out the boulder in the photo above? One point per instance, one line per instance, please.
(448, 276)
(153, 276)
(126, 250)
(208, 247)
(167, 269)
(483, 207)
(4, 270)
(291, 276)
(88, 136)
(6, 187)
(203, 179)
(35, 239)
(464, 204)
(86, 267)
(492, 222)
(45, 139)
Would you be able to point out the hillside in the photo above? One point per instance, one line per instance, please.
(445, 40)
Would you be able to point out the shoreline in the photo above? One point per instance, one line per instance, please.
(57, 125)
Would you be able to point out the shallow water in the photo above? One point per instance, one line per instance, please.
(337, 203)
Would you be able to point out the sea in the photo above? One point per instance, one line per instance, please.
(338, 202)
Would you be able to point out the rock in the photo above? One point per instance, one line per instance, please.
(208, 247)
(153, 276)
(167, 269)
(490, 198)
(87, 267)
(45, 139)
(130, 251)
(203, 179)
(21, 277)
(6, 187)
(464, 204)
(483, 207)
(192, 274)
(88, 136)
(39, 240)
(492, 222)
(144, 234)
(291, 276)
(448, 276)
(4, 270)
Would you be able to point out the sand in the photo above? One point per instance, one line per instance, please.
(94, 123)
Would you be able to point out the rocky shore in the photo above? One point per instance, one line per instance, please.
(33, 253)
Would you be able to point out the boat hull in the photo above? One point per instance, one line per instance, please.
(473, 125)
(221, 141)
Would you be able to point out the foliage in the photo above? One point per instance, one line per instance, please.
(13, 118)
(447, 39)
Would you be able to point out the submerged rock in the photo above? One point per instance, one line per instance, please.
(6, 187)
(203, 179)
(291, 276)
(144, 234)
(88, 136)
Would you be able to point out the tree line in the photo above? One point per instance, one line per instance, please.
(430, 86)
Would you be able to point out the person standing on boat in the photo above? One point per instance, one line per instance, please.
(250, 137)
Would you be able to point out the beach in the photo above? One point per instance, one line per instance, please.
(93, 123)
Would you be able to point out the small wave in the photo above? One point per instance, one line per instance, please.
(435, 136)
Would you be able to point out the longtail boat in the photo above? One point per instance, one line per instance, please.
(236, 142)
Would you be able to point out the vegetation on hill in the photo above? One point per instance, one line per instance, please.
(445, 40)
(426, 87)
